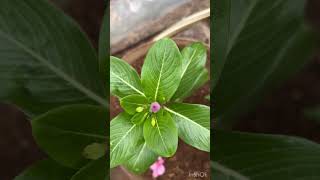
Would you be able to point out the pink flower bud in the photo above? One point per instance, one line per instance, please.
(155, 107)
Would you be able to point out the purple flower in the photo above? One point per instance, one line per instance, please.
(155, 107)
(158, 168)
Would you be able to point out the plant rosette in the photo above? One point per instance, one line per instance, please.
(154, 115)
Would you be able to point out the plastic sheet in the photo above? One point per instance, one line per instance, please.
(135, 20)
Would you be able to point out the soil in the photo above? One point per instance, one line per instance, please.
(18, 149)
(187, 159)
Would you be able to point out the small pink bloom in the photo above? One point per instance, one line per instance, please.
(155, 107)
(158, 168)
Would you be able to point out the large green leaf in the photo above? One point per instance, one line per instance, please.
(193, 121)
(46, 169)
(161, 134)
(45, 59)
(132, 102)
(95, 170)
(194, 73)
(258, 43)
(104, 48)
(265, 156)
(65, 132)
(161, 71)
(124, 138)
(142, 159)
(221, 26)
(124, 80)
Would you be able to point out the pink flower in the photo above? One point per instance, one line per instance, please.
(158, 168)
(155, 107)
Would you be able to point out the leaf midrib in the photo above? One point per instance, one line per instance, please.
(184, 117)
(57, 71)
(160, 74)
(135, 162)
(192, 56)
(125, 135)
(128, 84)
(165, 146)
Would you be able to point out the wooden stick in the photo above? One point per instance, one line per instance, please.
(183, 24)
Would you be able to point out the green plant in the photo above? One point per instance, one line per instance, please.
(154, 114)
(258, 44)
(49, 69)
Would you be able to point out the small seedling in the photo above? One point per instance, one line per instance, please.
(154, 115)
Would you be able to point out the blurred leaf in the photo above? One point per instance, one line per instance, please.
(161, 71)
(46, 170)
(65, 132)
(124, 139)
(124, 80)
(224, 173)
(95, 151)
(313, 114)
(95, 170)
(193, 121)
(258, 44)
(194, 72)
(46, 60)
(104, 44)
(162, 136)
(260, 156)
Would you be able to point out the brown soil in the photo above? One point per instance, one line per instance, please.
(187, 159)
(18, 149)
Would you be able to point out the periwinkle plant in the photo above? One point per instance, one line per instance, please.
(154, 115)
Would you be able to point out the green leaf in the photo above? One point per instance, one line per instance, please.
(142, 159)
(162, 137)
(194, 73)
(138, 118)
(46, 60)
(224, 173)
(104, 44)
(65, 132)
(46, 169)
(95, 151)
(95, 170)
(258, 44)
(313, 113)
(161, 71)
(266, 156)
(124, 138)
(221, 28)
(132, 102)
(124, 80)
(193, 123)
